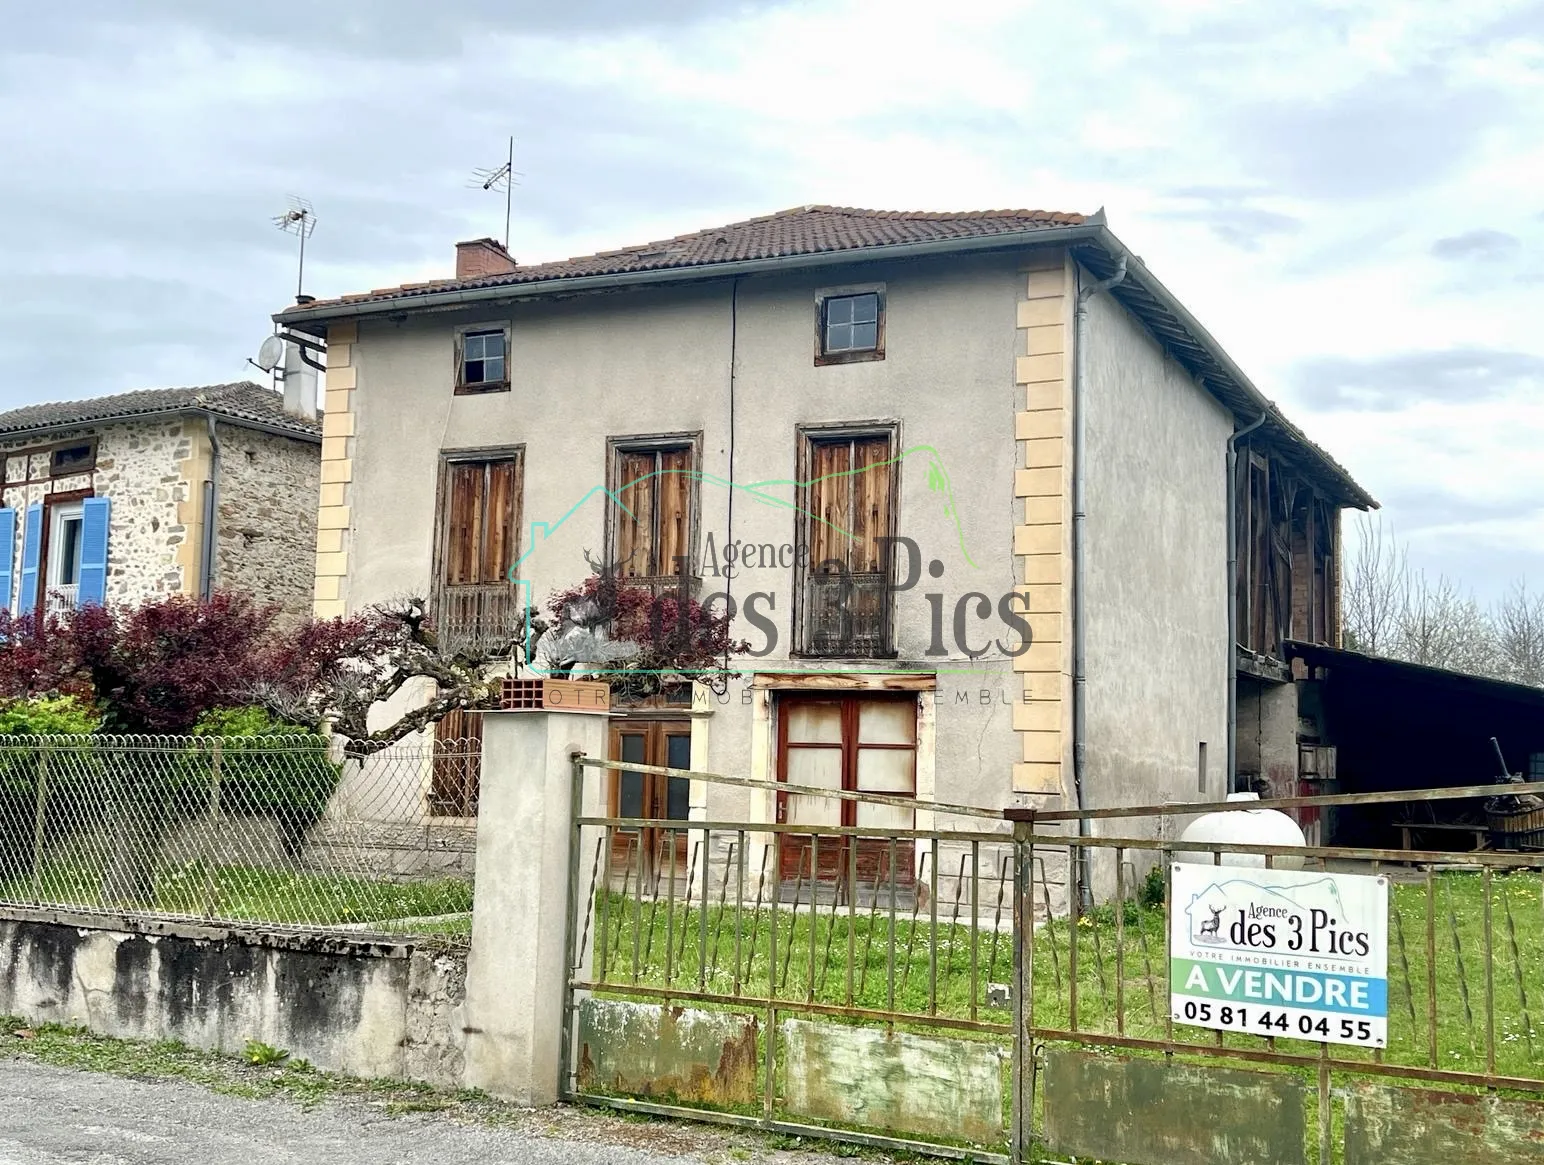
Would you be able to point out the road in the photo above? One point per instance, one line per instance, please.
(50, 1116)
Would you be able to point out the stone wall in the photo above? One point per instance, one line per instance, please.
(363, 1007)
(154, 472)
(265, 538)
(137, 466)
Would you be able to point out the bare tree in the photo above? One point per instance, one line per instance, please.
(1519, 629)
(1376, 588)
(1441, 626)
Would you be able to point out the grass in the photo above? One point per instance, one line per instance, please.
(1121, 986)
(262, 894)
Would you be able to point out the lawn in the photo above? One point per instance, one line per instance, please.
(259, 894)
(1120, 978)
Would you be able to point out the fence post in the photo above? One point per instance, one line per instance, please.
(1021, 1131)
(39, 811)
(211, 890)
(517, 972)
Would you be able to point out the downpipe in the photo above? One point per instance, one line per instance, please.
(1232, 668)
(1079, 520)
(206, 562)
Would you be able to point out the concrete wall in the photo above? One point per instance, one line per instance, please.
(362, 1008)
(1267, 735)
(632, 364)
(265, 537)
(1158, 666)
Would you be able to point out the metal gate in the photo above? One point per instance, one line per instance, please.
(876, 1000)
(845, 981)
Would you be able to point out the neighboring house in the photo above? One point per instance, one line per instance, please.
(857, 376)
(161, 492)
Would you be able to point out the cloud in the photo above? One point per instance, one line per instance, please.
(1482, 244)
(1383, 136)
(1229, 214)
(381, 29)
(1388, 383)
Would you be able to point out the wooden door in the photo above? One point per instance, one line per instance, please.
(457, 771)
(648, 850)
(858, 743)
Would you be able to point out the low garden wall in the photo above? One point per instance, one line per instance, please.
(361, 1006)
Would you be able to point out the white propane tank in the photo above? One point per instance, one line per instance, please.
(1243, 827)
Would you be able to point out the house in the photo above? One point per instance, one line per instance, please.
(964, 479)
(159, 492)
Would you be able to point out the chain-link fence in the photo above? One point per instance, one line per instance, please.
(271, 830)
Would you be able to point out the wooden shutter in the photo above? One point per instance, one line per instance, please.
(31, 554)
(870, 503)
(499, 510)
(635, 516)
(95, 513)
(481, 521)
(463, 523)
(7, 556)
(827, 512)
(673, 507)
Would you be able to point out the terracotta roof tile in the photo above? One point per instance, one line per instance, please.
(804, 230)
(240, 402)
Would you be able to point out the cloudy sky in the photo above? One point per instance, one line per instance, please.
(1347, 193)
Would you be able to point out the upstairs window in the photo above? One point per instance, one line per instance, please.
(850, 326)
(846, 515)
(475, 603)
(652, 511)
(482, 360)
(65, 460)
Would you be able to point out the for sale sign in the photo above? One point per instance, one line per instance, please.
(1280, 953)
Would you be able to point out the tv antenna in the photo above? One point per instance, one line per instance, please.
(501, 178)
(300, 220)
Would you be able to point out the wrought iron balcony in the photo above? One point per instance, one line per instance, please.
(846, 616)
(484, 618)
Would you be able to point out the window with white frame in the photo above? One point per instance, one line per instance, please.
(62, 581)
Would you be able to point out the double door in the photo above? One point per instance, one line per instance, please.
(856, 743)
(650, 852)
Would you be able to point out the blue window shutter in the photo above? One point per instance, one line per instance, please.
(31, 549)
(93, 551)
(7, 557)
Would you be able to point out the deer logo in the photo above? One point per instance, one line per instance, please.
(1210, 928)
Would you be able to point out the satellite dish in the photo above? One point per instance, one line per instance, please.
(270, 354)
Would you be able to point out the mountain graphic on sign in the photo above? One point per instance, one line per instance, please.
(1321, 892)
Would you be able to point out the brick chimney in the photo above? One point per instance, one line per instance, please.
(482, 257)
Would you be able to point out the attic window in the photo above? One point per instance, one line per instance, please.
(850, 325)
(67, 460)
(482, 360)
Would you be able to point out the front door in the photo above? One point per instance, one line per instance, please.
(649, 852)
(861, 743)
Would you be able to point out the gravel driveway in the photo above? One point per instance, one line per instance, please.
(54, 1115)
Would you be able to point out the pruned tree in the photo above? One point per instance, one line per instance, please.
(335, 671)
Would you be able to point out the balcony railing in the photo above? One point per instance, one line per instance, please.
(484, 618)
(62, 599)
(846, 616)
